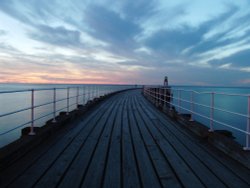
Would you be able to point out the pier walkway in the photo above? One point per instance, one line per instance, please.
(125, 142)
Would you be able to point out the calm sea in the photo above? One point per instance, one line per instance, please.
(16, 101)
(11, 102)
(228, 99)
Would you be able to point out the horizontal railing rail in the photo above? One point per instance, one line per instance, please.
(73, 96)
(159, 95)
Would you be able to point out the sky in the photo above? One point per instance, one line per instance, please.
(125, 42)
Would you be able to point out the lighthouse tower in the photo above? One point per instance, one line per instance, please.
(165, 81)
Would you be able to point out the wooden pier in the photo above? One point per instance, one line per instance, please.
(125, 142)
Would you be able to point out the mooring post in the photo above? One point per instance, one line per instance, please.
(212, 113)
(54, 107)
(67, 101)
(247, 147)
(32, 114)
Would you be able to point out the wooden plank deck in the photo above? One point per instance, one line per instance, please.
(125, 142)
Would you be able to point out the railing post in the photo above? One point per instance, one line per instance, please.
(170, 99)
(96, 91)
(93, 92)
(32, 114)
(77, 97)
(83, 95)
(164, 98)
(54, 107)
(179, 101)
(89, 94)
(67, 101)
(155, 95)
(159, 96)
(212, 113)
(247, 147)
(192, 106)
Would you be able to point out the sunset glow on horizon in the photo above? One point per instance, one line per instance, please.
(125, 42)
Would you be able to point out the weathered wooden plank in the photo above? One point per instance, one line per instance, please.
(130, 174)
(181, 168)
(93, 177)
(238, 169)
(224, 174)
(211, 156)
(148, 175)
(79, 166)
(19, 167)
(163, 169)
(112, 175)
(59, 167)
(199, 169)
(127, 143)
(37, 170)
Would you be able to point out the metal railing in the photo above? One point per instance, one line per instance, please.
(81, 95)
(159, 95)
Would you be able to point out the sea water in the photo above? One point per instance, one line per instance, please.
(223, 100)
(10, 102)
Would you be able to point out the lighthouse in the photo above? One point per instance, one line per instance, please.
(165, 81)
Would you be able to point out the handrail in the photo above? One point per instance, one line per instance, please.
(159, 95)
(37, 89)
(88, 92)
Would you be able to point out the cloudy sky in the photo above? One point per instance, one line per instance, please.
(127, 41)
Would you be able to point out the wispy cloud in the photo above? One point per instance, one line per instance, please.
(57, 36)
(2, 32)
(129, 41)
